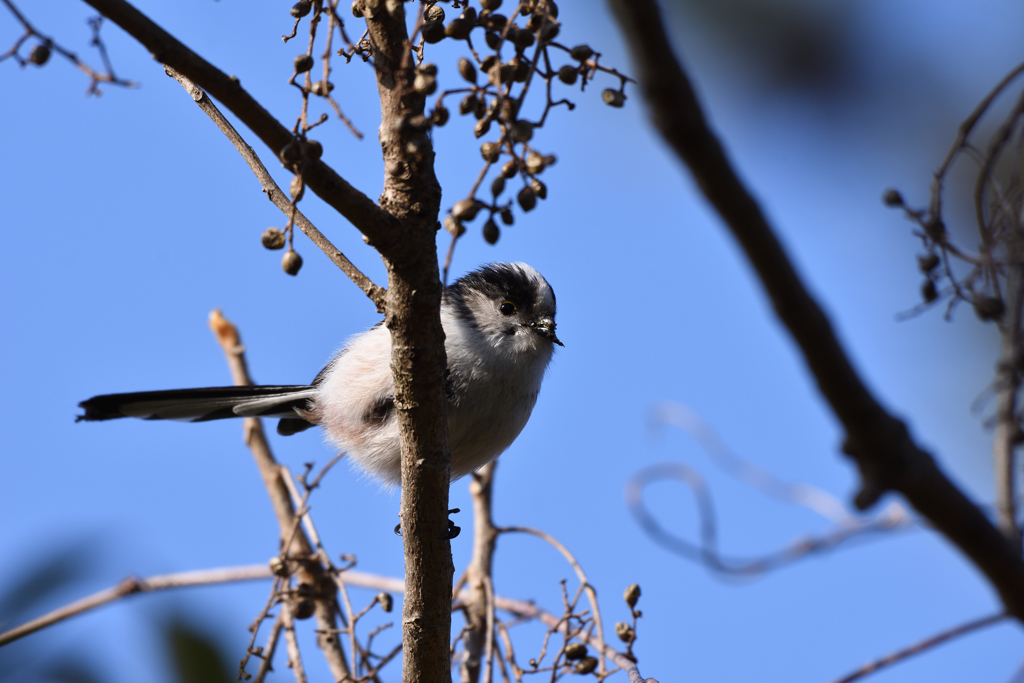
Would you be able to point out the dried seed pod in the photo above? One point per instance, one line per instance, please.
(492, 39)
(509, 109)
(510, 168)
(493, 22)
(631, 595)
(301, 8)
(278, 566)
(549, 160)
(505, 72)
(297, 188)
(581, 53)
(491, 232)
(302, 609)
(539, 188)
(575, 651)
(928, 262)
(527, 198)
(522, 71)
(625, 632)
(935, 229)
(322, 88)
(567, 74)
(550, 8)
(490, 61)
(534, 163)
(586, 665)
(928, 292)
(467, 104)
(524, 39)
(989, 308)
(428, 68)
(490, 151)
(549, 31)
(458, 28)
(490, 5)
(358, 7)
(290, 153)
(481, 127)
(455, 228)
(498, 185)
(613, 98)
(432, 32)
(506, 216)
(467, 70)
(425, 84)
(466, 209)
(303, 63)
(385, 601)
(419, 123)
(535, 22)
(291, 262)
(314, 150)
(511, 33)
(440, 115)
(469, 14)
(521, 131)
(39, 55)
(434, 13)
(892, 198)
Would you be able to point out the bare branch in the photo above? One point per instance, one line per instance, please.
(274, 193)
(131, 586)
(920, 647)
(880, 444)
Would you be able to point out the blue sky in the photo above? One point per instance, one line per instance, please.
(130, 217)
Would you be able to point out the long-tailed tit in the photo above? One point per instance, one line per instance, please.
(499, 325)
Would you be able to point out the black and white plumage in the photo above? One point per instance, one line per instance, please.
(499, 324)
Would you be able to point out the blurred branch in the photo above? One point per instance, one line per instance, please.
(479, 610)
(133, 585)
(917, 648)
(40, 57)
(880, 444)
(295, 543)
(275, 195)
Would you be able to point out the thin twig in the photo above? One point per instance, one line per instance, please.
(271, 646)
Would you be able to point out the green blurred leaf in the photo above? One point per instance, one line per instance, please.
(196, 657)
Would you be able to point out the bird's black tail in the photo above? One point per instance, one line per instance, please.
(200, 405)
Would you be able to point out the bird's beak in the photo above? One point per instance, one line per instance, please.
(546, 327)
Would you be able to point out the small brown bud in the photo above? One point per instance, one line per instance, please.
(278, 566)
(303, 63)
(272, 238)
(492, 39)
(521, 131)
(506, 216)
(567, 74)
(432, 32)
(549, 160)
(322, 88)
(385, 601)
(465, 209)
(631, 595)
(314, 149)
(510, 168)
(358, 6)
(625, 632)
(892, 198)
(490, 151)
(39, 55)
(297, 188)
(291, 262)
(303, 609)
(935, 229)
(434, 13)
(481, 127)
(491, 232)
(458, 28)
(575, 651)
(498, 185)
(527, 198)
(989, 308)
(534, 163)
(928, 263)
(581, 53)
(490, 5)
(301, 8)
(467, 104)
(613, 98)
(539, 188)
(928, 292)
(586, 665)
(455, 228)
(425, 84)
(290, 153)
(440, 115)
(467, 70)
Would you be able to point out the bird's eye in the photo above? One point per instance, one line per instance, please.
(507, 308)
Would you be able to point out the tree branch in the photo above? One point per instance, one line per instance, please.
(887, 457)
(274, 193)
(381, 229)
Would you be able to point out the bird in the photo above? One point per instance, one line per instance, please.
(499, 325)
